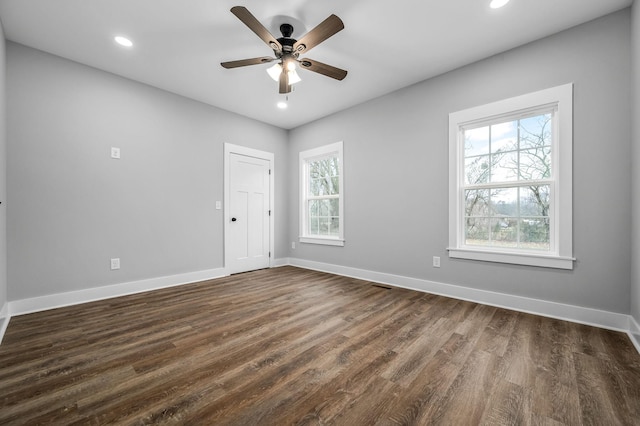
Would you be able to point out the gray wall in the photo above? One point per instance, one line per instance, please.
(3, 175)
(73, 207)
(396, 169)
(635, 283)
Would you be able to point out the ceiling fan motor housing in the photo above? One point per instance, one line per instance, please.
(286, 30)
(286, 41)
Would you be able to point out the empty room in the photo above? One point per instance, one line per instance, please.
(294, 212)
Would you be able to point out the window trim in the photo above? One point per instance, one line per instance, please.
(559, 97)
(305, 158)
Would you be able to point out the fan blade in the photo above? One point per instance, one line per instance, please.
(285, 87)
(323, 31)
(243, 14)
(323, 69)
(245, 62)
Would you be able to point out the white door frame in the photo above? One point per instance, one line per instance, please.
(248, 152)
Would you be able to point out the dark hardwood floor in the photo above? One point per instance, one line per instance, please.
(292, 346)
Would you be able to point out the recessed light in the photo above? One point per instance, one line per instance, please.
(496, 4)
(282, 105)
(123, 41)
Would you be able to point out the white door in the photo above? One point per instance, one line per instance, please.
(247, 240)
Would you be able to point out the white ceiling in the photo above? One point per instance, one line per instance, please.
(386, 45)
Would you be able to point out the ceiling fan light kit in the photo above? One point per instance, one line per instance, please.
(275, 71)
(287, 50)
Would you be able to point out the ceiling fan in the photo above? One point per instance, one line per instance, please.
(287, 50)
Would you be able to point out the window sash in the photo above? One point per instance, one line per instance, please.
(519, 218)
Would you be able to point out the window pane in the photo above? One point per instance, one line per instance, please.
(477, 231)
(504, 232)
(314, 172)
(504, 167)
(334, 207)
(534, 200)
(313, 208)
(476, 169)
(504, 137)
(476, 202)
(504, 202)
(323, 226)
(535, 163)
(476, 142)
(313, 226)
(333, 166)
(324, 208)
(317, 186)
(334, 229)
(335, 185)
(535, 131)
(534, 233)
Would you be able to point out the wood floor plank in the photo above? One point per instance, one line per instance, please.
(466, 398)
(420, 401)
(504, 405)
(294, 346)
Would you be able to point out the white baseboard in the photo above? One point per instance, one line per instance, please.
(280, 262)
(43, 303)
(4, 320)
(578, 314)
(634, 332)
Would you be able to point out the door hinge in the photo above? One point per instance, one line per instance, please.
(269, 254)
(269, 171)
(269, 212)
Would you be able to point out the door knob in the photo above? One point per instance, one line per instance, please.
(233, 219)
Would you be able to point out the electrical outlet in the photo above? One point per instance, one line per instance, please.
(293, 244)
(115, 152)
(436, 261)
(115, 263)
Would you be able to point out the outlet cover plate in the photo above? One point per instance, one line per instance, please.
(115, 263)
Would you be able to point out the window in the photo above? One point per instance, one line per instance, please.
(321, 211)
(510, 180)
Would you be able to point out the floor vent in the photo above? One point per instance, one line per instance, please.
(382, 286)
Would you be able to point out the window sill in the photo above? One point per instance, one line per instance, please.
(322, 241)
(544, 261)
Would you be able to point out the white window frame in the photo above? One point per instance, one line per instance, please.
(305, 158)
(560, 256)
